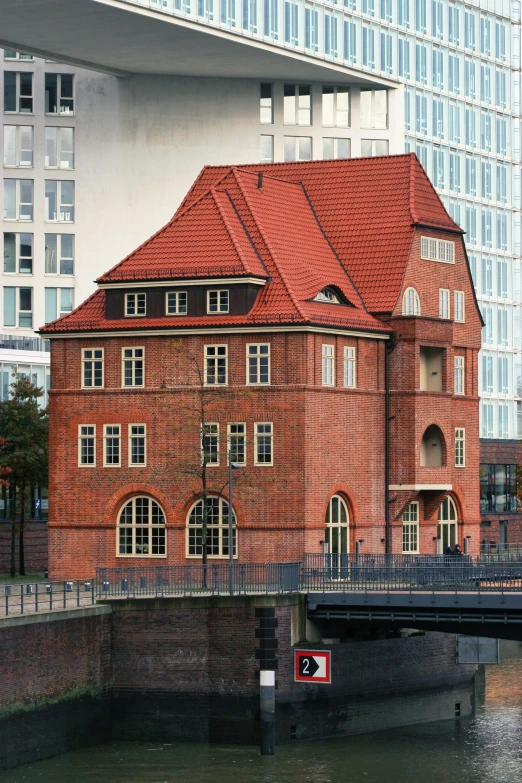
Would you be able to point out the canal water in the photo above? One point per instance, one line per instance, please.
(483, 749)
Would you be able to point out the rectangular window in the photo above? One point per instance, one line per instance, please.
(458, 312)
(135, 305)
(92, 368)
(459, 374)
(311, 28)
(454, 172)
(454, 74)
(137, 444)
(18, 199)
(454, 123)
(368, 47)
(374, 109)
(437, 27)
(485, 84)
(133, 366)
(336, 107)
(218, 301)
(438, 167)
(111, 445)
(59, 148)
(87, 445)
(328, 362)
(59, 200)
(297, 148)
(59, 93)
(176, 303)
(503, 375)
(216, 365)
(421, 64)
(485, 180)
(485, 132)
(237, 443)
(470, 120)
(487, 331)
(350, 41)
(386, 53)
(410, 529)
(266, 149)
(18, 253)
(58, 302)
(368, 7)
(437, 250)
(420, 16)
(469, 30)
(18, 307)
(500, 41)
(266, 103)
(227, 12)
(59, 254)
(372, 148)
(349, 366)
(500, 89)
(336, 149)
(487, 374)
(501, 183)
(487, 419)
(210, 444)
(18, 145)
(263, 443)
(460, 447)
(454, 25)
(258, 364)
(271, 19)
(469, 79)
(502, 326)
(11, 54)
(487, 277)
(18, 92)
(330, 35)
(471, 225)
(421, 114)
(444, 303)
(404, 12)
(437, 69)
(297, 104)
(501, 138)
(503, 423)
(502, 278)
(404, 58)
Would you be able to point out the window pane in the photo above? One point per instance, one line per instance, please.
(9, 199)
(10, 253)
(9, 306)
(50, 304)
(51, 187)
(51, 254)
(9, 145)
(51, 141)
(67, 148)
(67, 254)
(51, 93)
(9, 91)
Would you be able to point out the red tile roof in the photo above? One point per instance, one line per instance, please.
(306, 226)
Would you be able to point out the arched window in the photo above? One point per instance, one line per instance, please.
(217, 529)
(411, 302)
(447, 527)
(432, 448)
(337, 522)
(141, 528)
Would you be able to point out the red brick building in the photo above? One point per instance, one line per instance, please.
(317, 318)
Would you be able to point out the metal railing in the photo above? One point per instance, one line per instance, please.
(197, 579)
(31, 597)
(505, 552)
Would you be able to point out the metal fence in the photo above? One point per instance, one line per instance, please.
(197, 579)
(33, 597)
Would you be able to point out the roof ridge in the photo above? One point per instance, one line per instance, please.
(413, 159)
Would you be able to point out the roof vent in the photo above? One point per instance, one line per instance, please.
(260, 180)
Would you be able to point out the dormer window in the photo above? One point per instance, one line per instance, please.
(135, 305)
(176, 303)
(327, 295)
(218, 301)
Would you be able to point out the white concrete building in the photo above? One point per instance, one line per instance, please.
(317, 79)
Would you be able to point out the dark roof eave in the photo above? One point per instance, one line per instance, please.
(162, 280)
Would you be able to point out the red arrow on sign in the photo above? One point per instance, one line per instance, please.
(312, 666)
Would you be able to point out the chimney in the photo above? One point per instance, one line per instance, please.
(260, 180)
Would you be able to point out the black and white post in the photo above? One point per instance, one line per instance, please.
(267, 710)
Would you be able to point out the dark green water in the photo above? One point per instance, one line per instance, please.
(485, 749)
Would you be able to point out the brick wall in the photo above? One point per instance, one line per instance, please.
(501, 452)
(35, 547)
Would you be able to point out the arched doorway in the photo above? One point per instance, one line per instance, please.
(447, 527)
(337, 526)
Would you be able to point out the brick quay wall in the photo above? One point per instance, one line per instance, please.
(185, 669)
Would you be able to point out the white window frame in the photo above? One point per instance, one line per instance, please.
(139, 303)
(133, 527)
(19, 204)
(19, 258)
(63, 208)
(130, 436)
(460, 447)
(133, 359)
(21, 315)
(178, 306)
(211, 433)
(440, 250)
(349, 367)
(444, 304)
(411, 523)
(328, 364)
(222, 527)
(214, 359)
(17, 130)
(257, 436)
(60, 256)
(238, 436)
(255, 360)
(59, 162)
(459, 312)
(93, 360)
(221, 308)
(411, 302)
(81, 437)
(458, 373)
(65, 111)
(19, 96)
(106, 438)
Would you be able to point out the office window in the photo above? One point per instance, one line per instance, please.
(485, 36)
(501, 135)
(368, 7)
(18, 145)
(349, 366)
(498, 488)
(502, 374)
(386, 10)
(487, 374)
(487, 330)
(266, 149)
(487, 419)
(454, 211)
(500, 89)
(87, 445)
(485, 132)
(454, 24)
(471, 225)
(18, 199)
(421, 113)
(137, 445)
(350, 41)
(469, 79)
(133, 366)
(502, 278)
(237, 443)
(485, 84)
(311, 28)
(502, 239)
(374, 109)
(205, 9)
(330, 35)
(469, 30)
(291, 22)
(216, 365)
(471, 176)
(334, 149)
(438, 168)
(500, 41)
(59, 200)
(258, 363)
(297, 104)
(437, 68)
(59, 254)
(410, 529)
(18, 92)
(18, 307)
(328, 365)
(519, 420)
(458, 372)
(59, 93)
(407, 112)
(460, 447)
(368, 47)
(336, 107)
(454, 171)
(59, 148)
(263, 443)
(111, 445)
(403, 12)
(486, 221)
(210, 444)
(454, 74)
(438, 118)
(218, 301)
(271, 18)
(297, 148)
(420, 16)
(502, 326)
(18, 253)
(471, 120)
(458, 312)
(58, 302)
(503, 420)
(141, 528)
(437, 27)
(421, 64)
(11, 54)
(487, 277)
(444, 303)
(404, 58)
(501, 183)
(176, 303)
(92, 368)
(386, 53)
(266, 103)
(454, 123)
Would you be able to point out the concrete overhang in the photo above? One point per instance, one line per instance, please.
(122, 38)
